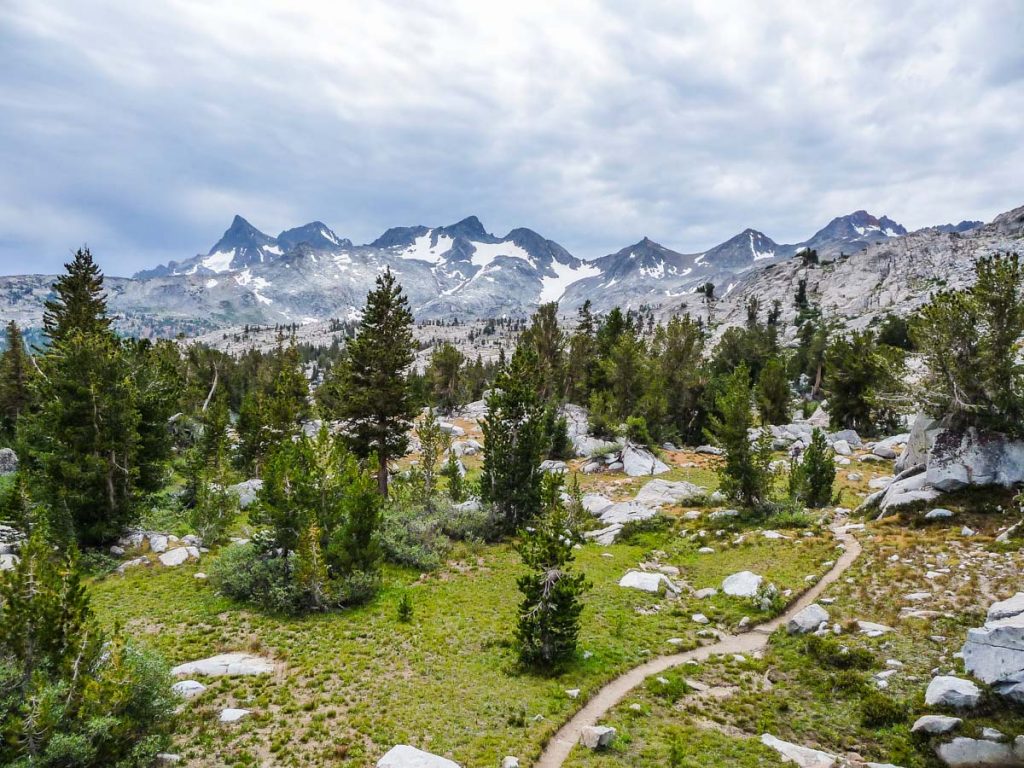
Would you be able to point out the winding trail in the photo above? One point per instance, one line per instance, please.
(558, 748)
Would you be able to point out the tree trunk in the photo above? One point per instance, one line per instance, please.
(382, 476)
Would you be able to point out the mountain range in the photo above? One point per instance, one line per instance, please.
(310, 274)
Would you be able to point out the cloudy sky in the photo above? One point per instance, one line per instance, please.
(141, 128)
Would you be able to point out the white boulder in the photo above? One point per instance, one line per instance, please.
(807, 620)
(805, 757)
(404, 756)
(637, 461)
(647, 582)
(597, 736)
(661, 492)
(949, 691)
(963, 752)
(232, 715)
(935, 724)
(742, 584)
(188, 689)
(226, 665)
(178, 556)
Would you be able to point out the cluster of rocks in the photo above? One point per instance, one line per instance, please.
(171, 551)
(994, 652)
(938, 459)
(645, 505)
(222, 665)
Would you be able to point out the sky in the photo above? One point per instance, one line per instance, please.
(142, 128)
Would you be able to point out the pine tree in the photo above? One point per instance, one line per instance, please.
(72, 696)
(83, 440)
(433, 443)
(79, 303)
(745, 476)
(772, 393)
(453, 474)
(311, 570)
(444, 373)
(213, 505)
(862, 379)
(812, 479)
(513, 444)
(548, 343)
(374, 396)
(16, 373)
(549, 614)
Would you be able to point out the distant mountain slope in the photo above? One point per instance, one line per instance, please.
(311, 274)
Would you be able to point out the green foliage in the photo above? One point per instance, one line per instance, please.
(745, 475)
(829, 652)
(214, 507)
(16, 374)
(97, 440)
(556, 435)
(637, 431)
(433, 443)
(369, 388)
(863, 382)
(68, 695)
(811, 481)
(320, 547)
(404, 609)
(895, 331)
(880, 711)
(453, 474)
(969, 340)
(547, 342)
(513, 444)
(772, 393)
(549, 614)
(444, 373)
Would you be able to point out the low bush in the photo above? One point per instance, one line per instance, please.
(831, 653)
(880, 711)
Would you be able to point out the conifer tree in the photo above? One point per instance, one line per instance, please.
(745, 476)
(444, 373)
(16, 373)
(213, 505)
(548, 343)
(453, 474)
(513, 444)
(812, 479)
(70, 696)
(373, 390)
(549, 614)
(79, 303)
(862, 378)
(772, 393)
(433, 443)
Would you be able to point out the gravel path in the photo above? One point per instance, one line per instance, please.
(558, 748)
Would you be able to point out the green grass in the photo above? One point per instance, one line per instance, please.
(355, 683)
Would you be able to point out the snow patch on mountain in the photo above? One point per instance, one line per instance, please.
(553, 288)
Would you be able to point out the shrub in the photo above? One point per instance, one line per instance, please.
(637, 432)
(811, 481)
(831, 653)
(404, 610)
(879, 711)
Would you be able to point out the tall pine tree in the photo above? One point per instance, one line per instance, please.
(513, 443)
(370, 387)
(79, 303)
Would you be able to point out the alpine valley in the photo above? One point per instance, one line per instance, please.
(868, 265)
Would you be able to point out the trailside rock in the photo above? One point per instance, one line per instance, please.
(226, 665)
(8, 461)
(638, 461)
(178, 556)
(919, 442)
(742, 584)
(647, 582)
(626, 511)
(597, 736)
(232, 715)
(404, 756)
(963, 752)
(246, 491)
(805, 757)
(955, 692)
(935, 724)
(595, 503)
(807, 620)
(1004, 609)
(994, 653)
(660, 492)
(938, 514)
(908, 490)
(188, 689)
(974, 458)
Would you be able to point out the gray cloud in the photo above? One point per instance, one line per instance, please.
(141, 128)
